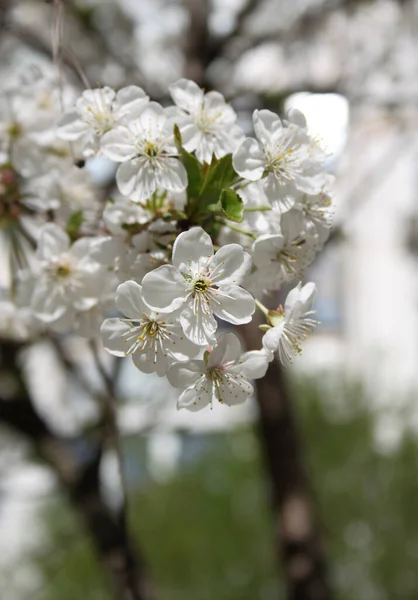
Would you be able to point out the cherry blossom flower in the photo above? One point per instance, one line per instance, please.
(145, 147)
(99, 110)
(69, 280)
(154, 340)
(284, 154)
(208, 124)
(281, 256)
(292, 324)
(224, 374)
(202, 284)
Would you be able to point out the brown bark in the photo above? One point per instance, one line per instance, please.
(299, 545)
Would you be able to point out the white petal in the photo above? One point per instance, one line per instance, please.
(198, 327)
(267, 126)
(48, 302)
(216, 106)
(231, 263)
(279, 192)
(118, 144)
(266, 248)
(227, 349)
(186, 94)
(234, 304)
(297, 117)
(193, 399)
(148, 362)
(181, 375)
(136, 180)
(129, 300)
(233, 389)
(252, 365)
(172, 176)
(249, 160)
(164, 289)
(71, 127)
(112, 331)
(53, 241)
(129, 100)
(190, 246)
(271, 339)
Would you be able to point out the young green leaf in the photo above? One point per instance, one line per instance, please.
(232, 205)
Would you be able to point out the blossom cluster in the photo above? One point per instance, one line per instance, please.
(205, 221)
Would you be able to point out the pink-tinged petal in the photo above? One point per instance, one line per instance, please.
(129, 300)
(112, 331)
(182, 375)
(164, 289)
(135, 180)
(190, 247)
(252, 365)
(172, 176)
(267, 126)
(186, 95)
(53, 241)
(230, 265)
(227, 349)
(71, 127)
(249, 160)
(118, 144)
(233, 304)
(198, 327)
(195, 398)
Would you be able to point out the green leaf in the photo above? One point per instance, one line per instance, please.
(232, 205)
(74, 223)
(194, 173)
(219, 175)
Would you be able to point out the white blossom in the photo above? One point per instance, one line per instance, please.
(69, 280)
(145, 147)
(154, 340)
(98, 111)
(291, 325)
(224, 374)
(282, 256)
(202, 284)
(208, 124)
(284, 154)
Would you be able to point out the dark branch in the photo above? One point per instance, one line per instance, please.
(78, 473)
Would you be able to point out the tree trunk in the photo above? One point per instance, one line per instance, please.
(298, 541)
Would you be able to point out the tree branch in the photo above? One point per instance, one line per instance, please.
(78, 473)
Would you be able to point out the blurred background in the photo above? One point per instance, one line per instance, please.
(202, 485)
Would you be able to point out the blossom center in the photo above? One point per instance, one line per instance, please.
(201, 285)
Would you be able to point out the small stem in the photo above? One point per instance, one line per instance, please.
(261, 307)
(237, 229)
(256, 208)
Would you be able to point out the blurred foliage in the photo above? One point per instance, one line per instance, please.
(207, 531)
